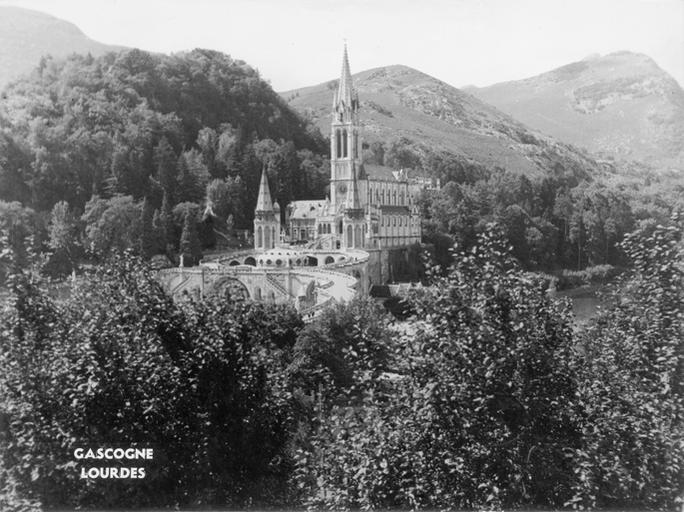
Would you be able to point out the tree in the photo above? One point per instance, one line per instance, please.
(344, 349)
(630, 368)
(207, 140)
(188, 187)
(22, 229)
(111, 224)
(226, 150)
(218, 198)
(63, 237)
(190, 247)
(166, 165)
(168, 229)
(148, 246)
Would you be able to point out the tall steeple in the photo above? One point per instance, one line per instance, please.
(345, 138)
(264, 203)
(345, 95)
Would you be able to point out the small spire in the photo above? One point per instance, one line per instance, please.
(264, 203)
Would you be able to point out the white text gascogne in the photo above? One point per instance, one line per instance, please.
(114, 453)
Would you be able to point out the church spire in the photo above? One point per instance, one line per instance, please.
(345, 97)
(264, 203)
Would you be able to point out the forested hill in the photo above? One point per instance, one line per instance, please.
(145, 125)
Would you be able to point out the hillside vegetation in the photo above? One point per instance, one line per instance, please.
(188, 133)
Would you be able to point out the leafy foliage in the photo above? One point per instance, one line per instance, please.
(138, 124)
(631, 383)
(478, 412)
(120, 363)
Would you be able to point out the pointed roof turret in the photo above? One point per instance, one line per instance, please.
(264, 203)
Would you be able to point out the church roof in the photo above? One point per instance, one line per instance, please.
(264, 203)
(390, 209)
(308, 209)
(379, 172)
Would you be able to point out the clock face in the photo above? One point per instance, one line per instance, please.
(342, 188)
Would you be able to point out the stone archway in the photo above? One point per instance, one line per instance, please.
(229, 288)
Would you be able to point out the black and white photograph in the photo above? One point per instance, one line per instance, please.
(342, 255)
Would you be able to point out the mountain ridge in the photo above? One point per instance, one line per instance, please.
(620, 106)
(402, 102)
(27, 35)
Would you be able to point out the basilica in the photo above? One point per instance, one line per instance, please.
(368, 207)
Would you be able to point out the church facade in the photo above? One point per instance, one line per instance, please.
(368, 207)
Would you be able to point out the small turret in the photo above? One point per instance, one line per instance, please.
(266, 217)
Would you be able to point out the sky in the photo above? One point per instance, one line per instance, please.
(295, 43)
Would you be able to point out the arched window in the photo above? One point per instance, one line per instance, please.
(338, 143)
(345, 143)
(350, 236)
(356, 144)
(257, 293)
(357, 237)
(260, 240)
(394, 197)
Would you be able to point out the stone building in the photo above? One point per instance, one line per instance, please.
(369, 206)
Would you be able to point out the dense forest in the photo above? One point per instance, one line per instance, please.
(487, 394)
(131, 134)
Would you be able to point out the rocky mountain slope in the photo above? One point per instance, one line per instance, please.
(398, 101)
(26, 36)
(621, 105)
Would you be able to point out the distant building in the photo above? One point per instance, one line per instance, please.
(369, 207)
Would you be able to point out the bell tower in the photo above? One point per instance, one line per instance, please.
(345, 137)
